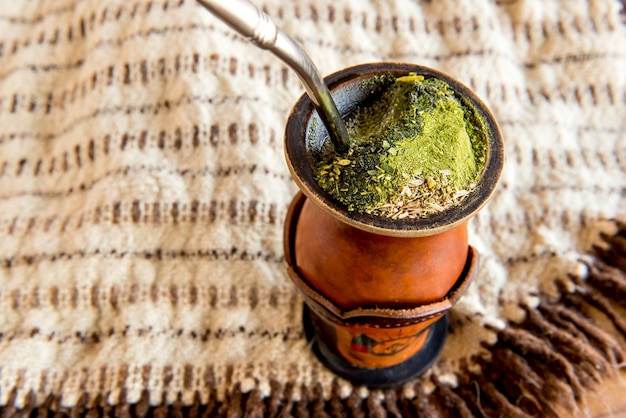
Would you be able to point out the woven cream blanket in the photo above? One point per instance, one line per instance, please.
(143, 190)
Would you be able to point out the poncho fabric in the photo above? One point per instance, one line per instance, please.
(143, 190)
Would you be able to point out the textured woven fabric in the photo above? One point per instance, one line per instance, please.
(143, 186)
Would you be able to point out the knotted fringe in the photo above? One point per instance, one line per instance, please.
(540, 367)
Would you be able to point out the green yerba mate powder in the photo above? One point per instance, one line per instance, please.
(418, 150)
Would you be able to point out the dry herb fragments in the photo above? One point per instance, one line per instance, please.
(418, 150)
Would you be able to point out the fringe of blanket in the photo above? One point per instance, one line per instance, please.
(542, 366)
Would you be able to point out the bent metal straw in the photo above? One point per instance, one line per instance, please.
(257, 27)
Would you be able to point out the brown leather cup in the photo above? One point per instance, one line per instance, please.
(376, 308)
(374, 287)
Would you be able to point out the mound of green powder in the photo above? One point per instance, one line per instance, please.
(417, 150)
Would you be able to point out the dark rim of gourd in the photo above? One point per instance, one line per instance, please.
(348, 90)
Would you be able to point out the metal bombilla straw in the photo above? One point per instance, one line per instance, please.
(257, 27)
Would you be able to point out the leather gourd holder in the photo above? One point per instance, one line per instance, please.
(377, 290)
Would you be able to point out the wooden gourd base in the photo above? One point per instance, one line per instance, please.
(379, 377)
